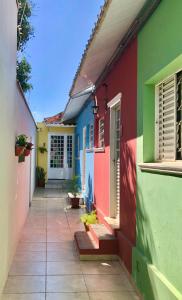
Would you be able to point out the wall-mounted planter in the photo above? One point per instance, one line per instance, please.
(42, 150)
(19, 150)
(26, 152)
(22, 147)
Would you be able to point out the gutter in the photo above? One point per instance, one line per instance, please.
(84, 92)
(89, 90)
(136, 26)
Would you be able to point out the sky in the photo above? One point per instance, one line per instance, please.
(62, 29)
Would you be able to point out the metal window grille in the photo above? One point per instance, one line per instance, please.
(91, 135)
(101, 133)
(69, 150)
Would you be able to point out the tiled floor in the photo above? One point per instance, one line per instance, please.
(46, 265)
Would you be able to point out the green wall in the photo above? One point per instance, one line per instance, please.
(157, 258)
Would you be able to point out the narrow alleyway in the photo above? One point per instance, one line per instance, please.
(47, 266)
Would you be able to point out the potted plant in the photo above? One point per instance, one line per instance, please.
(42, 149)
(74, 192)
(90, 218)
(21, 141)
(41, 176)
(28, 148)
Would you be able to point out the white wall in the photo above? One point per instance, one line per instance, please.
(15, 118)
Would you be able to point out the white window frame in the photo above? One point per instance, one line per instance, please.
(101, 143)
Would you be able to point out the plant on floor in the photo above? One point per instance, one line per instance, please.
(42, 149)
(74, 189)
(40, 176)
(90, 218)
(21, 141)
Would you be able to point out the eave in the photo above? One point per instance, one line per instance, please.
(117, 24)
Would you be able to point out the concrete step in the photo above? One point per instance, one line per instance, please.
(104, 238)
(97, 241)
(58, 184)
(85, 243)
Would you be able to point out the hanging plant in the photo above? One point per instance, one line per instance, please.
(28, 149)
(42, 149)
(21, 141)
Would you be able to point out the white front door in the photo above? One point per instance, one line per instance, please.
(84, 160)
(60, 156)
(115, 157)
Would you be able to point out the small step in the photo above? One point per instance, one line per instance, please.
(85, 243)
(98, 240)
(101, 232)
(58, 184)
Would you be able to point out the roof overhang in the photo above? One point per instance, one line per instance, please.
(75, 104)
(117, 17)
(59, 125)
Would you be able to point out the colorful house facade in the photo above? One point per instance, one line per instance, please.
(83, 118)
(56, 148)
(137, 144)
(157, 265)
(84, 155)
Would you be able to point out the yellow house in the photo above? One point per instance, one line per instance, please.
(55, 153)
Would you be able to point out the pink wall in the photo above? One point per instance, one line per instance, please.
(121, 79)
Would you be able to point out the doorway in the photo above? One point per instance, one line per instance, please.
(84, 160)
(115, 127)
(60, 156)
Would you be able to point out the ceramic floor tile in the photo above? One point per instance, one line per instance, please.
(48, 235)
(67, 296)
(63, 268)
(107, 283)
(58, 246)
(59, 238)
(25, 284)
(23, 297)
(34, 256)
(62, 255)
(33, 237)
(113, 296)
(35, 231)
(101, 267)
(28, 268)
(66, 283)
(58, 232)
(31, 246)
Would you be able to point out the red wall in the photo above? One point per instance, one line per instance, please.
(121, 79)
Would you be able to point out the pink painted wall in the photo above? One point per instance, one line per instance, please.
(15, 189)
(121, 79)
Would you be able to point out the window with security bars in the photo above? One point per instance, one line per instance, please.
(169, 119)
(91, 136)
(69, 150)
(101, 133)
